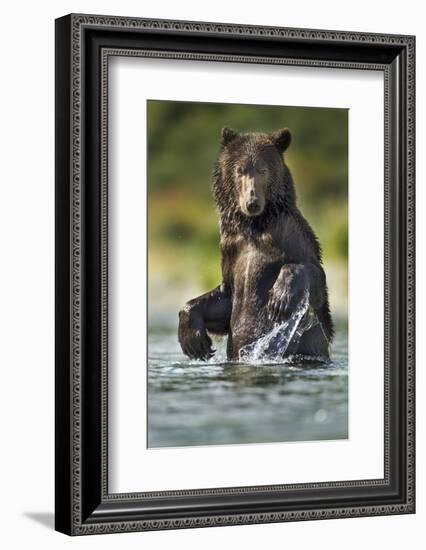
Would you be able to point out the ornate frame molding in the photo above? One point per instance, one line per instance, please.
(73, 518)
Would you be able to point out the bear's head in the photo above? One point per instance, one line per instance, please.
(251, 180)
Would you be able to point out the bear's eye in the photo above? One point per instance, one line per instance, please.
(239, 171)
(261, 170)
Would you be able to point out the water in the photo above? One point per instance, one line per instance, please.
(218, 402)
(274, 344)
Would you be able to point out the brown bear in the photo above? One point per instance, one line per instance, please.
(270, 255)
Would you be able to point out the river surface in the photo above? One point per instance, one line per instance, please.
(218, 402)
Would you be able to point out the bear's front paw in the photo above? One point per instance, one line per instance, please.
(286, 293)
(193, 338)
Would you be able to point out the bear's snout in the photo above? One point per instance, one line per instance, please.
(252, 196)
(253, 206)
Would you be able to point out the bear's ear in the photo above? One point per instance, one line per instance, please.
(281, 139)
(228, 134)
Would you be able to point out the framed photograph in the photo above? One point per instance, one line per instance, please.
(234, 274)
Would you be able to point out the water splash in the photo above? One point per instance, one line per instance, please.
(275, 343)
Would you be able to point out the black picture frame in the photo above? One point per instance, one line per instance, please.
(83, 45)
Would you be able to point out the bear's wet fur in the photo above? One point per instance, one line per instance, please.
(270, 254)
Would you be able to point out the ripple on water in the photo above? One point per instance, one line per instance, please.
(220, 402)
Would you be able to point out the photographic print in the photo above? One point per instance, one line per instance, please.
(234, 274)
(247, 210)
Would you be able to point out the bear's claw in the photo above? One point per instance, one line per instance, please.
(196, 344)
(286, 293)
